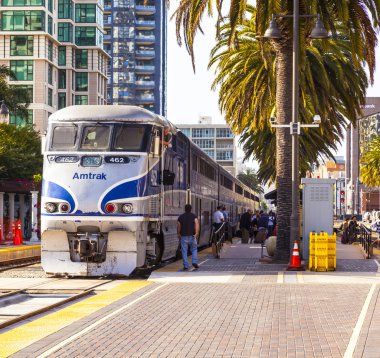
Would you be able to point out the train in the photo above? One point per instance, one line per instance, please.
(113, 188)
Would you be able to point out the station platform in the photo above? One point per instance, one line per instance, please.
(235, 306)
(19, 252)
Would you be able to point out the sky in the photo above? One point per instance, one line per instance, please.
(190, 95)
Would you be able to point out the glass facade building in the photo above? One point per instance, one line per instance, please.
(135, 39)
(55, 48)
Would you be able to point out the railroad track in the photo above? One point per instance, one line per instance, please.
(14, 303)
(17, 263)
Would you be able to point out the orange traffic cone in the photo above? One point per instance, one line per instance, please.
(18, 235)
(295, 261)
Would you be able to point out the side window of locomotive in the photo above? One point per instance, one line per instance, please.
(95, 137)
(64, 137)
(129, 138)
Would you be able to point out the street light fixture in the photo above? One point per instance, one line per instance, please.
(273, 32)
(4, 109)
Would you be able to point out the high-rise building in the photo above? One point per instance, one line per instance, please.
(55, 48)
(136, 41)
(359, 197)
(216, 140)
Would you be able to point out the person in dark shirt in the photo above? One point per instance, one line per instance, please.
(245, 225)
(188, 231)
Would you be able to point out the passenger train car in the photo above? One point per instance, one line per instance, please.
(113, 189)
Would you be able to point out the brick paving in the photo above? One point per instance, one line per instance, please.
(254, 316)
(229, 320)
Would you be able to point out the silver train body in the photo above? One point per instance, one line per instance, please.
(113, 189)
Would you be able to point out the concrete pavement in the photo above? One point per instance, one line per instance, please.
(235, 307)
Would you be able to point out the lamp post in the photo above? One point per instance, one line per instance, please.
(4, 111)
(319, 32)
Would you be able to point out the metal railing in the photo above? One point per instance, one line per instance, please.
(364, 235)
(217, 239)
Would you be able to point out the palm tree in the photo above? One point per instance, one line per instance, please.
(370, 164)
(352, 18)
(17, 98)
(250, 179)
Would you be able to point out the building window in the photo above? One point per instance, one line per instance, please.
(21, 45)
(50, 5)
(85, 13)
(81, 81)
(62, 79)
(61, 100)
(23, 69)
(65, 9)
(224, 155)
(85, 36)
(50, 25)
(23, 20)
(81, 58)
(50, 51)
(202, 132)
(27, 88)
(20, 121)
(186, 131)
(61, 56)
(210, 153)
(204, 143)
(223, 133)
(81, 100)
(23, 3)
(50, 74)
(65, 32)
(50, 97)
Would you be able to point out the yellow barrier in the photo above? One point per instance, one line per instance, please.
(322, 256)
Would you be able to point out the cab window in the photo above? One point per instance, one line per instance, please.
(130, 138)
(95, 137)
(64, 137)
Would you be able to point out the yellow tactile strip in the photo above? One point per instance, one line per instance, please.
(18, 338)
(19, 248)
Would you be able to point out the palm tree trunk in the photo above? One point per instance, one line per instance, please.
(283, 150)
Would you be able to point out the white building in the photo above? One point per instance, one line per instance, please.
(216, 140)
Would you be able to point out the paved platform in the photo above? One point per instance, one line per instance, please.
(234, 306)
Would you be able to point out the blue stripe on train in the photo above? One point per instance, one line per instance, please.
(53, 190)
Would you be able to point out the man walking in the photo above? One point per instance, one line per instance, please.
(188, 231)
(245, 225)
(217, 218)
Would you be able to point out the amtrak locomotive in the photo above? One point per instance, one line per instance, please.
(115, 180)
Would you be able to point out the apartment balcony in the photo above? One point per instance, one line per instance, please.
(106, 38)
(145, 24)
(147, 99)
(145, 54)
(145, 39)
(144, 69)
(143, 85)
(141, 9)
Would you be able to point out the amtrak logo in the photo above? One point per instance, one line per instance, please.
(91, 176)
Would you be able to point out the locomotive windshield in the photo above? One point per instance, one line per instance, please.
(101, 137)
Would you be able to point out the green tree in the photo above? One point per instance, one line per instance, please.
(370, 164)
(20, 152)
(250, 179)
(350, 20)
(16, 98)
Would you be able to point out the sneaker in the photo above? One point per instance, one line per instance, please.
(185, 269)
(196, 266)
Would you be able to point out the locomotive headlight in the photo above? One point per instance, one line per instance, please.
(127, 208)
(64, 207)
(50, 207)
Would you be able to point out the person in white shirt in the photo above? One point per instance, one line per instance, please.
(217, 218)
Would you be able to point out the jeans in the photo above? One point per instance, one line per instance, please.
(186, 242)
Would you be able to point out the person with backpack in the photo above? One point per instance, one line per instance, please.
(352, 226)
(344, 228)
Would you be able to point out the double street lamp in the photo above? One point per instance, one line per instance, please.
(319, 32)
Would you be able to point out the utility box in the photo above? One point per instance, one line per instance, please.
(317, 209)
